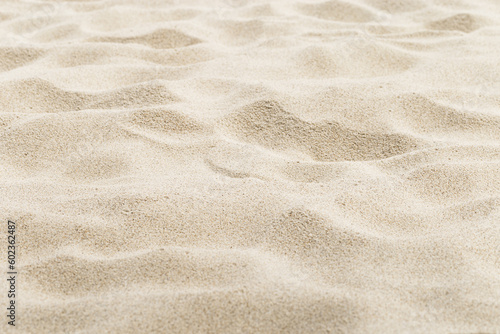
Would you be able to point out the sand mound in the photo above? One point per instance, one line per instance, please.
(267, 124)
(158, 39)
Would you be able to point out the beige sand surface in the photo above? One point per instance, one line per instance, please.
(251, 166)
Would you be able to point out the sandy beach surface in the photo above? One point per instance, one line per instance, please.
(245, 166)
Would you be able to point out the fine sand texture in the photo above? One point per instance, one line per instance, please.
(251, 166)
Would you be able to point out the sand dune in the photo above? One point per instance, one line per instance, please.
(245, 166)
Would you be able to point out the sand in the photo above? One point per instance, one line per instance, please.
(251, 166)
